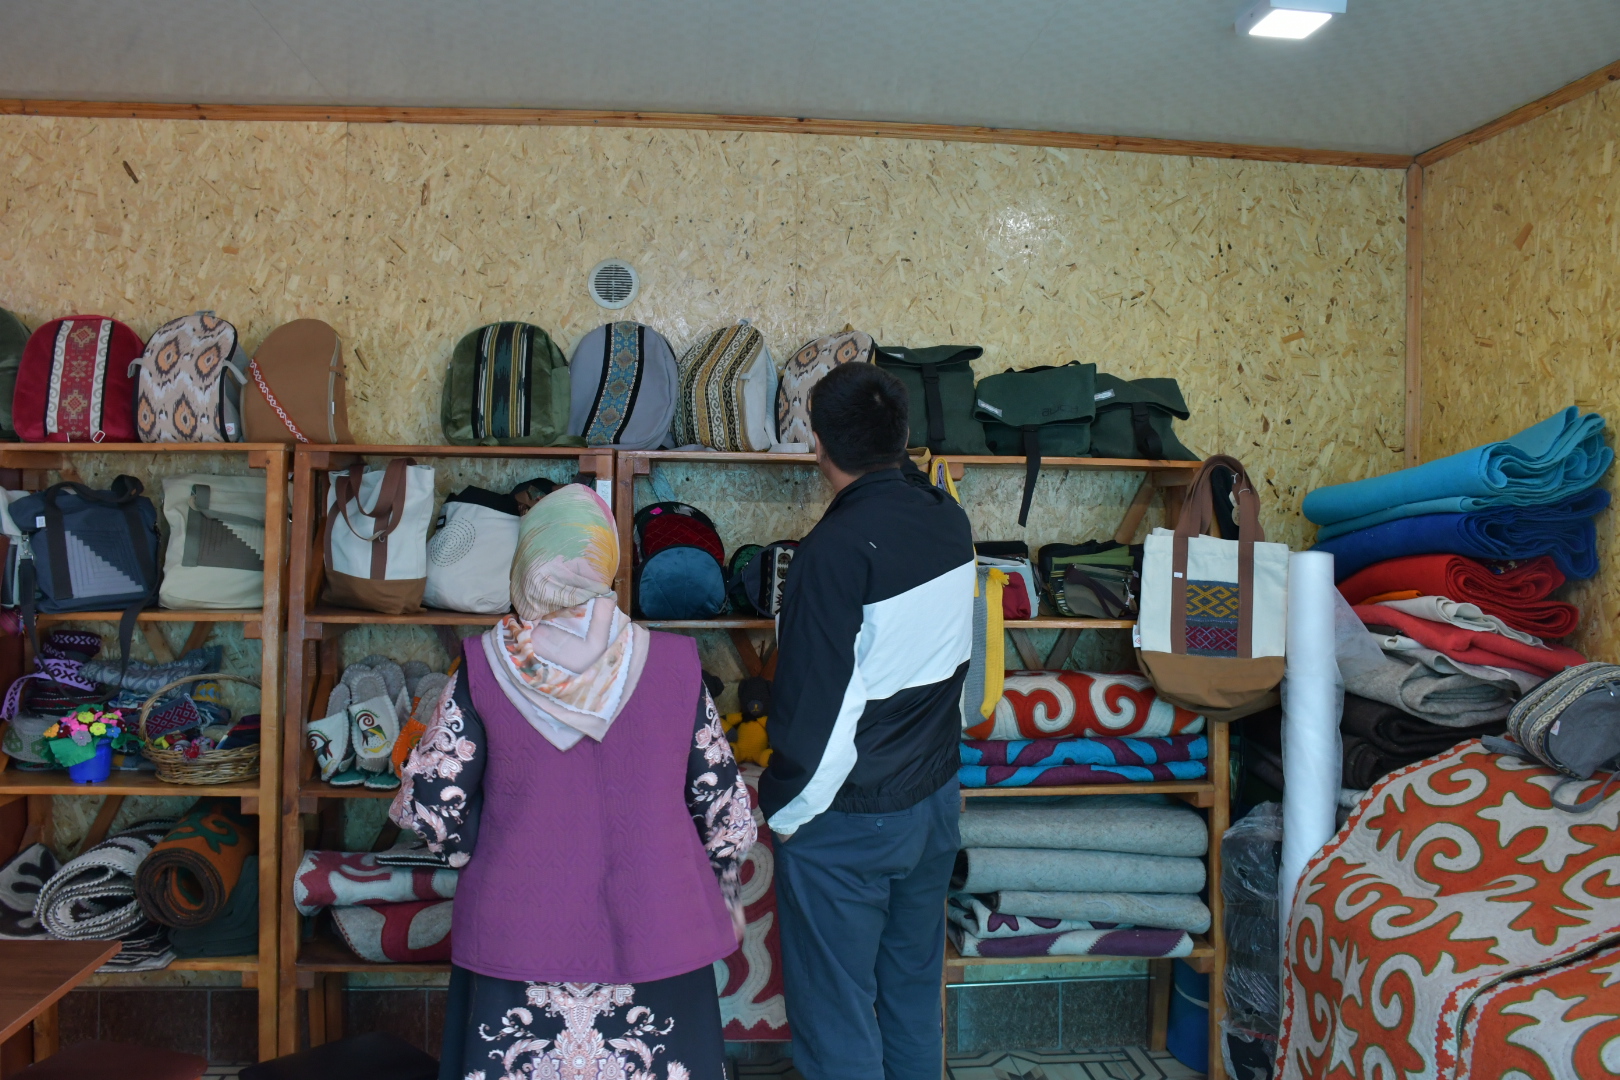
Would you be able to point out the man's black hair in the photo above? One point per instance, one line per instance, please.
(860, 413)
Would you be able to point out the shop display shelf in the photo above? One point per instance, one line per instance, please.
(16, 782)
(1202, 953)
(157, 615)
(326, 953)
(326, 614)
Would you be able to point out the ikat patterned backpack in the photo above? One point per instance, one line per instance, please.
(191, 379)
(728, 392)
(801, 374)
(76, 382)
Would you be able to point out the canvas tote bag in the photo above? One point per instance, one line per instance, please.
(376, 536)
(470, 555)
(215, 558)
(1213, 614)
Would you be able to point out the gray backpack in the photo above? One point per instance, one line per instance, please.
(1570, 723)
(624, 381)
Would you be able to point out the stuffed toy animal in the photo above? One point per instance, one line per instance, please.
(747, 738)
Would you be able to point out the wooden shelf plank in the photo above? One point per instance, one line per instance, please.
(429, 617)
(953, 959)
(236, 615)
(18, 782)
(726, 458)
(216, 963)
(327, 954)
(401, 450)
(320, 789)
(137, 448)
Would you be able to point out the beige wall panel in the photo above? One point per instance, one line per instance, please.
(405, 237)
(1521, 316)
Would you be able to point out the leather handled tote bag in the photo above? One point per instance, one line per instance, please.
(1214, 611)
(375, 537)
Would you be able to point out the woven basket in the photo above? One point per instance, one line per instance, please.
(213, 767)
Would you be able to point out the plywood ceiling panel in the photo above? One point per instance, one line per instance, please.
(1395, 76)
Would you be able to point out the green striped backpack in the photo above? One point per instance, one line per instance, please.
(507, 386)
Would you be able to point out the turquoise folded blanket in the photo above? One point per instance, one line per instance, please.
(1545, 463)
(1563, 530)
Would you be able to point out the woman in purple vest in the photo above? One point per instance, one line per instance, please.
(576, 772)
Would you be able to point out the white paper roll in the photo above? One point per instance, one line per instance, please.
(1313, 700)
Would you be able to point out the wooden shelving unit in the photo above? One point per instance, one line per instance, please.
(314, 634)
(259, 797)
(1211, 794)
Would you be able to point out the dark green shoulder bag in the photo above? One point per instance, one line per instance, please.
(13, 336)
(1134, 418)
(507, 386)
(1038, 411)
(939, 381)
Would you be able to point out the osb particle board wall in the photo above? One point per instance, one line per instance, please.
(1521, 257)
(1273, 292)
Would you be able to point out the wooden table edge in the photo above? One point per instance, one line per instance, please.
(109, 951)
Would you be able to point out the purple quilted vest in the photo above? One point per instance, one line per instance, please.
(588, 867)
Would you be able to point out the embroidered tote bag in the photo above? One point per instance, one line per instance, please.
(215, 557)
(1213, 611)
(376, 536)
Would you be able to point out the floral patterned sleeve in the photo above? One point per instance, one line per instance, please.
(718, 800)
(441, 788)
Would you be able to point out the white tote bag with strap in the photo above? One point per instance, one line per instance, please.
(375, 536)
(215, 557)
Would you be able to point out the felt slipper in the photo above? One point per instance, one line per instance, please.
(353, 672)
(365, 686)
(381, 781)
(339, 699)
(374, 725)
(329, 739)
(414, 671)
(393, 677)
(426, 697)
(348, 778)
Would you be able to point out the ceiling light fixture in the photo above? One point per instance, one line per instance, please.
(1293, 19)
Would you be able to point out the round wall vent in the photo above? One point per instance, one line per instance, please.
(614, 283)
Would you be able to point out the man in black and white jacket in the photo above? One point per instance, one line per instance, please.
(874, 638)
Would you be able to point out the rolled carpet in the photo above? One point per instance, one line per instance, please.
(1517, 595)
(1473, 646)
(21, 879)
(188, 877)
(1544, 463)
(1564, 531)
(972, 914)
(984, 870)
(1048, 762)
(1151, 943)
(358, 878)
(235, 932)
(92, 898)
(417, 932)
(1171, 911)
(1144, 830)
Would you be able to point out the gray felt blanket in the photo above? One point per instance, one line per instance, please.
(1166, 910)
(983, 870)
(1142, 830)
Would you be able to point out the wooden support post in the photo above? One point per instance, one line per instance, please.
(334, 1006)
(1220, 816)
(746, 652)
(41, 828)
(1027, 654)
(624, 505)
(47, 1032)
(199, 634)
(1173, 498)
(1414, 314)
(1126, 533)
(157, 643)
(103, 822)
(315, 996)
(1161, 980)
(1061, 649)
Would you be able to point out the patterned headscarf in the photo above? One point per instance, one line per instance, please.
(569, 658)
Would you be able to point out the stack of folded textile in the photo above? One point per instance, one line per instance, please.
(1051, 728)
(1530, 496)
(390, 907)
(1115, 875)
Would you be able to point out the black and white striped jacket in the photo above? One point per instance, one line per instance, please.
(874, 638)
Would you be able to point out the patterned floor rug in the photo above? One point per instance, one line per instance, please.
(1130, 1063)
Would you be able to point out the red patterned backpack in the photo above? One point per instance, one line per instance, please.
(76, 382)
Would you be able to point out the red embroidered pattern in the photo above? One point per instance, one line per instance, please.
(264, 388)
(74, 406)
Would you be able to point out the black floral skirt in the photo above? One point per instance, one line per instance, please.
(499, 1029)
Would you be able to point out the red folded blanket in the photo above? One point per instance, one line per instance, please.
(1474, 646)
(1517, 596)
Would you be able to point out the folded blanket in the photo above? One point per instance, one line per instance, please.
(188, 878)
(1396, 732)
(974, 915)
(1473, 646)
(984, 870)
(92, 898)
(1443, 609)
(1170, 911)
(417, 932)
(20, 881)
(350, 878)
(1427, 686)
(1053, 704)
(1552, 460)
(1154, 943)
(1515, 594)
(1144, 830)
(1365, 764)
(235, 932)
(1053, 762)
(1563, 530)
(147, 678)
